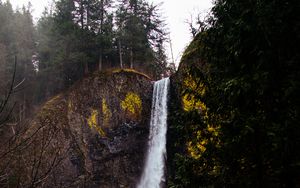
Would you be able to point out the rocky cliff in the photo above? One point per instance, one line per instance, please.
(93, 135)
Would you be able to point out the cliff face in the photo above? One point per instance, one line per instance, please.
(93, 135)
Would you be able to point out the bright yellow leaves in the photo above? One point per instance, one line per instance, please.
(93, 122)
(189, 101)
(196, 86)
(209, 134)
(132, 104)
(100, 119)
(106, 113)
(214, 131)
(196, 149)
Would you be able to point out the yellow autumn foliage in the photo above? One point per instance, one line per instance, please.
(196, 86)
(132, 104)
(197, 149)
(191, 103)
(106, 113)
(213, 130)
(93, 122)
(198, 146)
(209, 134)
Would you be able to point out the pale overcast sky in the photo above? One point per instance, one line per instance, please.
(176, 13)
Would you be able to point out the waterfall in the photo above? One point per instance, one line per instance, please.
(154, 170)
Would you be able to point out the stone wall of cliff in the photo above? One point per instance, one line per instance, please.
(93, 135)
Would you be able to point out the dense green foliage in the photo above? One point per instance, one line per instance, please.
(246, 133)
(83, 36)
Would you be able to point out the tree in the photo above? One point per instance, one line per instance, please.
(49, 67)
(73, 56)
(17, 39)
(142, 31)
(25, 49)
(102, 21)
(246, 57)
(5, 112)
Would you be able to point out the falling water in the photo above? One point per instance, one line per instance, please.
(153, 175)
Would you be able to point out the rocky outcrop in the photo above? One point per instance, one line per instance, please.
(93, 135)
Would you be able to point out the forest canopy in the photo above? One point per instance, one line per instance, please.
(74, 38)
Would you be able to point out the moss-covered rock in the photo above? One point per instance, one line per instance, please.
(93, 135)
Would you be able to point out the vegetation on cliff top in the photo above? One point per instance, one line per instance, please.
(68, 42)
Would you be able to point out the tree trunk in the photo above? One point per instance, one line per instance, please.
(88, 16)
(100, 60)
(131, 58)
(101, 35)
(120, 54)
(81, 15)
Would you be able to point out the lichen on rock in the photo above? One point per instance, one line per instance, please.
(106, 113)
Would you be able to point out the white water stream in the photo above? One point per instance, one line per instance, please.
(154, 170)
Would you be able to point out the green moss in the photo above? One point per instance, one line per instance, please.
(132, 104)
(109, 72)
(131, 71)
